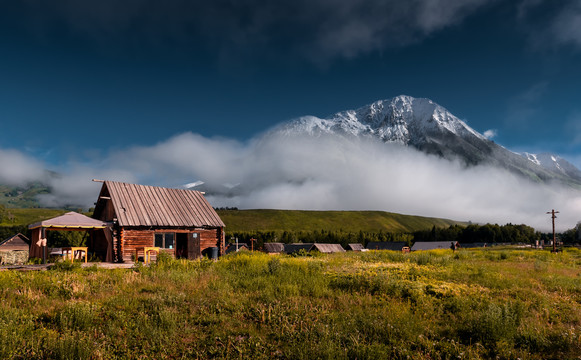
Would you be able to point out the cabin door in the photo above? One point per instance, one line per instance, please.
(181, 246)
(194, 246)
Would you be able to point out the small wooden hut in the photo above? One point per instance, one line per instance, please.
(328, 248)
(322, 248)
(236, 247)
(355, 247)
(178, 221)
(387, 245)
(14, 250)
(296, 247)
(433, 245)
(273, 248)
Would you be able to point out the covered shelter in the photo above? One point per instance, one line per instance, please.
(100, 242)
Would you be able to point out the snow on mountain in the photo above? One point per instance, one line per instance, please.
(430, 128)
(553, 163)
(402, 119)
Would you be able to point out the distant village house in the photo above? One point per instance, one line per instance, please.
(14, 250)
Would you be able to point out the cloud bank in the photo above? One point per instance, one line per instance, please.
(324, 173)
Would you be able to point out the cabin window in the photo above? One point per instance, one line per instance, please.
(164, 240)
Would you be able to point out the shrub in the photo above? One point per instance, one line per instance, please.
(64, 265)
(76, 316)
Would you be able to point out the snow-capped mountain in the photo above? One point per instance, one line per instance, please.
(429, 127)
(403, 119)
(554, 163)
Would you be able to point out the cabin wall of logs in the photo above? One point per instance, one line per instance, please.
(131, 239)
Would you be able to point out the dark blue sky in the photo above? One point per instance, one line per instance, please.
(78, 79)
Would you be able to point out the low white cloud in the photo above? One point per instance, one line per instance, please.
(76, 188)
(326, 173)
(19, 168)
(490, 134)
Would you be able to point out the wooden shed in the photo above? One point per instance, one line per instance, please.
(180, 222)
(433, 245)
(236, 247)
(328, 248)
(386, 245)
(322, 248)
(273, 248)
(296, 247)
(14, 250)
(356, 247)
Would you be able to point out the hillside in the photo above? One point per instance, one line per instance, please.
(281, 220)
(345, 221)
(28, 216)
(22, 196)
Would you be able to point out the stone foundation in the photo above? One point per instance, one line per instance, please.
(14, 257)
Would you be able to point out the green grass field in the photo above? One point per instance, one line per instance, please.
(344, 221)
(29, 216)
(471, 304)
(281, 220)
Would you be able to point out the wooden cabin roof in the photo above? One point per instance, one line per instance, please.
(292, 248)
(273, 247)
(16, 242)
(355, 247)
(232, 248)
(328, 248)
(323, 248)
(432, 245)
(386, 245)
(142, 205)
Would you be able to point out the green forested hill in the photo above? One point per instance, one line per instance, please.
(21, 197)
(344, 221)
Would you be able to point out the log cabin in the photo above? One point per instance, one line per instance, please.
(178, 221)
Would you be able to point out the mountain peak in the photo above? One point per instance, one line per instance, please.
(422, 124)
(402, 119)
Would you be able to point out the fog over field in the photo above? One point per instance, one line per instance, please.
(311, 173)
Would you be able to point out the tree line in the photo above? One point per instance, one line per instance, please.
(489, 233)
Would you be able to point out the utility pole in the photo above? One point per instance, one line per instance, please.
(553, 216)
(252, 244)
